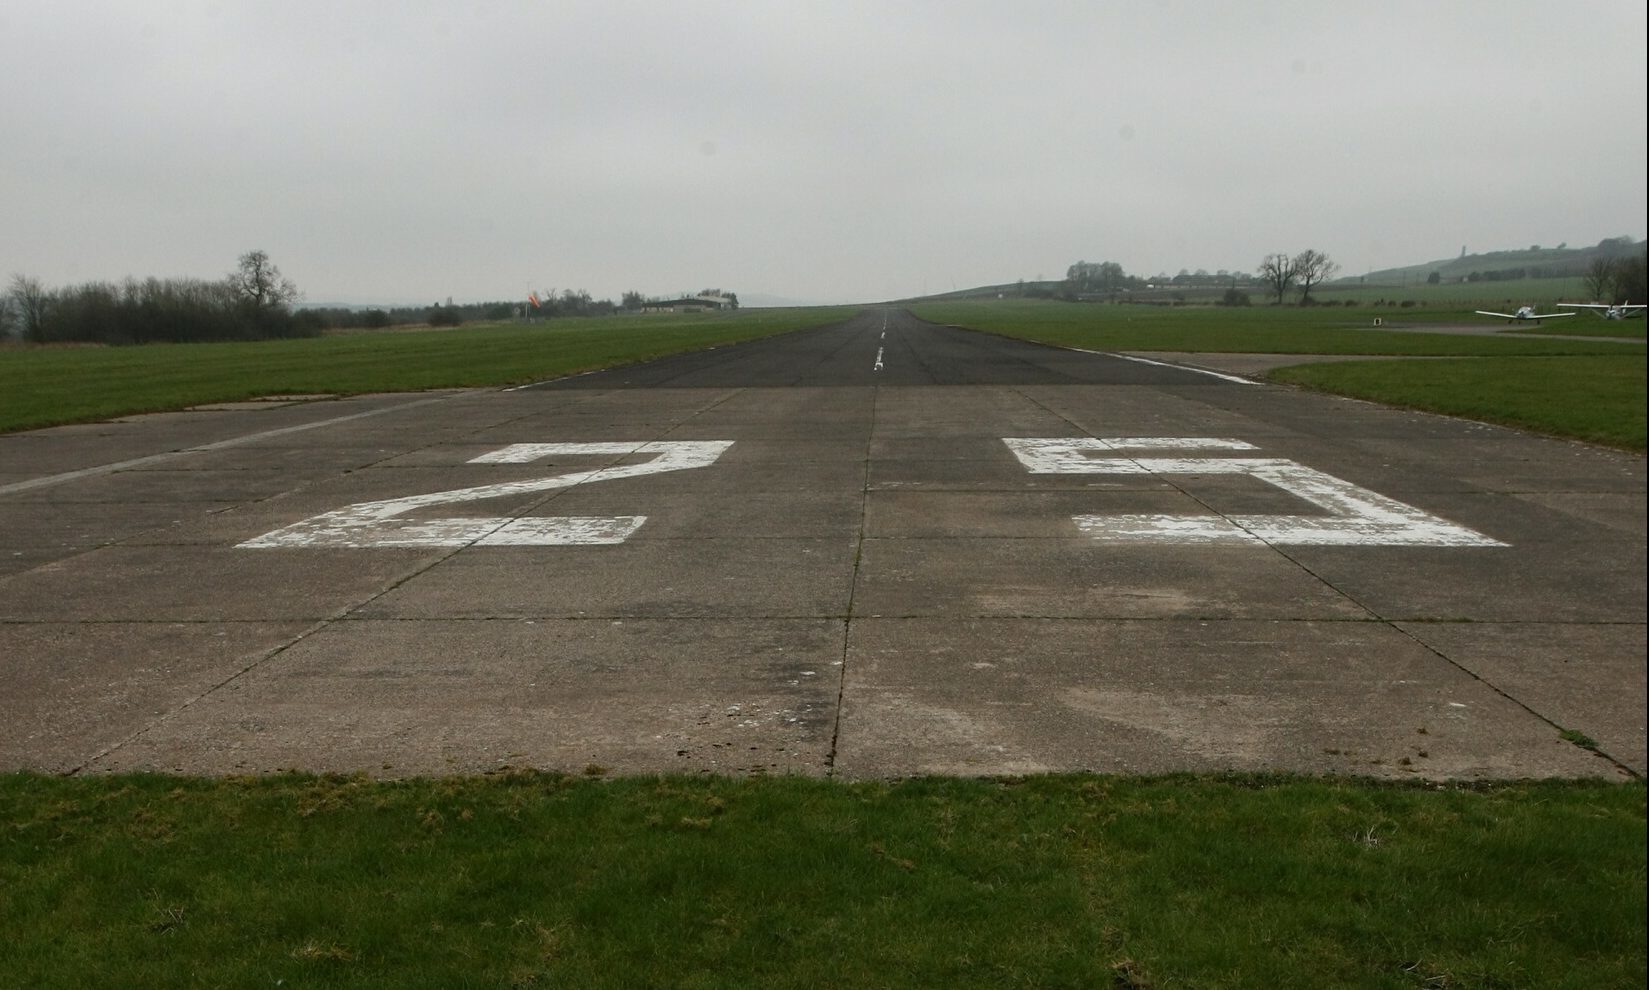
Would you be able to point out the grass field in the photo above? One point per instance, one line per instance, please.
(1587, 390)
(1491, 295)
(52, 385)
(528, 880)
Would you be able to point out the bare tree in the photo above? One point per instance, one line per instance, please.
(30, 298)
(1310, 268)
(1277, 271)
(1599, 279)
(260, 284)
(1631, 278)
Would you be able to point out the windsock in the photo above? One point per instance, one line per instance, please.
(532, 297)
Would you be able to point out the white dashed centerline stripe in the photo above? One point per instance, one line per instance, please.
(878, 360)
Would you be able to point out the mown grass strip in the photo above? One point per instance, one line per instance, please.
(1598, 399)
(1255, 329)
(1584, 390)
(54, 385)
(1081, 881)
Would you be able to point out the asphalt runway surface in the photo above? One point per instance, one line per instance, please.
(877, 549)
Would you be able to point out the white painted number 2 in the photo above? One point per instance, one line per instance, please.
(388, 523)
(1354, 516)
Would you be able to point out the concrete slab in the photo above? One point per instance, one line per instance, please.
(642, 578)
(1535, 582)
(77, 690)
(429, 697)
(74, 526)
(1071, 578)
(203, 584)
(999, 696)
(1588, 678)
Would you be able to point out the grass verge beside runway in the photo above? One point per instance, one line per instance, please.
(1599, 399)
(525, 879)
(1585, 390)
(1254, 329)
(49, 386)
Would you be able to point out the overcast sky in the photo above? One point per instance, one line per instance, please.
(831, 152)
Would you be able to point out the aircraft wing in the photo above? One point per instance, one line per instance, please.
(1514, 316)
(1622, 308)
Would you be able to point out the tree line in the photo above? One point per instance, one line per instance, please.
(1278, 273)
(254, 302)
(1618, 280)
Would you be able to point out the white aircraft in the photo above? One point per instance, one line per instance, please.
(1606, 311)
(1523, 313)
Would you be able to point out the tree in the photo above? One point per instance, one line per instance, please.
(260, 285)
(1277, 271)
(1631, 280)
(1599, 278)
(1310, 268)
(633, 301)
(445, 316)
(31, 299)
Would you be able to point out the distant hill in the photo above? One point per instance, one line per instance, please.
(1495, 266)
(1532, 262)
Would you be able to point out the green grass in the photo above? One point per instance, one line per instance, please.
(1585, 326)
(52, 385)
(1250, 329)
(1073, 881)
(1597, 399)
(1586, 390)
(1490, 295)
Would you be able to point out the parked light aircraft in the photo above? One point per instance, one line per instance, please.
(1523, 313)
(1606, 311)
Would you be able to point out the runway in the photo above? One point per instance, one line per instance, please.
(877, 549)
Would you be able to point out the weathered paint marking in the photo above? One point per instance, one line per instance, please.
(1075, 455)
(1353, 515)
(385, 524)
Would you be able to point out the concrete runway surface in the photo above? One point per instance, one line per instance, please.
(877, 549)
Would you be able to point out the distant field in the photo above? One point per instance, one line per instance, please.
(1587, 390)
(1525, 291)
(46, 386)
(1252, 329)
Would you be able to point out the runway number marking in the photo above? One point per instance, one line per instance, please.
(386, 524)
(1354, 516)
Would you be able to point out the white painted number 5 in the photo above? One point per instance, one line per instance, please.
(1348, 515)
(387, 523)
